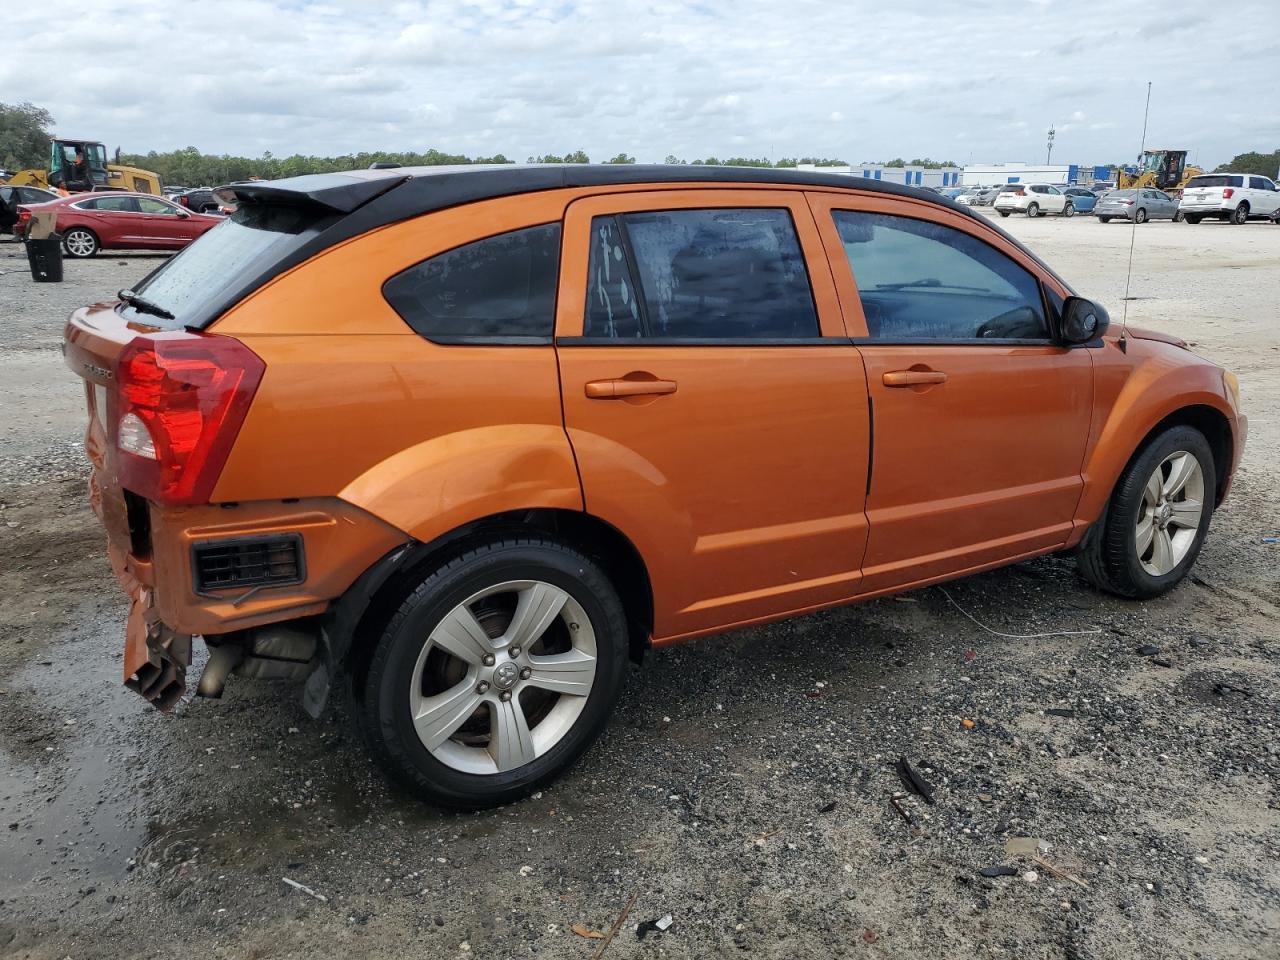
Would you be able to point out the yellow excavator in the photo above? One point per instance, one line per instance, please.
(1165, 170)
(81, 166)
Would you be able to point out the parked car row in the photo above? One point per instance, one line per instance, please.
(89, 222)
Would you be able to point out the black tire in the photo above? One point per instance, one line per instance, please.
(1240, 214)
(1108, 556)
(1140, 215)
(1104, 219)
(382, 705)
(1003, 213)
(1033, 210)
(86, 242)
(1179, 216)
(1192, 218)
(1069, 210)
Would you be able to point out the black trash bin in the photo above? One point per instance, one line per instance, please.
(45, 257)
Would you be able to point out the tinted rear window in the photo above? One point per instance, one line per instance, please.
(502, 286)
(246, 244)
(1215, 180)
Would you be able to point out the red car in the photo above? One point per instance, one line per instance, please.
(90, 222)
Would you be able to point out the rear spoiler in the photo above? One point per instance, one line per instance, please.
(336, 192)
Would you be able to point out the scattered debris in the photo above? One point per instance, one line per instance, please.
(984, 797)
(526, 870)
(869, 936)
(999, 871)
(1060, 712)
(1224, 689)
(617, 925)
(893, 802)
(1060, 873)
(1148, 650)
(1271, 539)
(967, 723)
(1031, 876)
(1025, 847)
(827, 807)
(1017, 636)
(1162, 662)
(305, 889)
(654, 926)
(913, 781)
(582, 930)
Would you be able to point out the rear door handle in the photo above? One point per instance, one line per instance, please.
(620, 389)
(911, 378)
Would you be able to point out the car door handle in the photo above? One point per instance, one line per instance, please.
(620, 389)
(911, 378)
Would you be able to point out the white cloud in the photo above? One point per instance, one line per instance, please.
(648, 77)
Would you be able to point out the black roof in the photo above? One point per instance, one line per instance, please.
(356, 201)
(404, 192)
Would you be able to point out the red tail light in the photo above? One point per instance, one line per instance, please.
(1227, 193)
(182, 399)
(23, 214)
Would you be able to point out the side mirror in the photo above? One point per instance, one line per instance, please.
(1082, 320)
(183, 215)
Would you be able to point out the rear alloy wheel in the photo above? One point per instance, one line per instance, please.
(1240, 214)
(1003, 213)
(1156, 521)
(1104, 219)
(1033, 210)
(497, 671)
(1191, 218)
(1140, 216)
(79, 243)
(1069, 210)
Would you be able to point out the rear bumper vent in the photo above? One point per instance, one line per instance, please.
(271, 560)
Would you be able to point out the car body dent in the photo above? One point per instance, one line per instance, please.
(443, 483)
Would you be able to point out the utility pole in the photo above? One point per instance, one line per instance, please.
(1050, 153)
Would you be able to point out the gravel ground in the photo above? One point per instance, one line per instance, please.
(744, 784)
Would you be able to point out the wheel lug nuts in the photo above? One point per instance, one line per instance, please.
(482, 686)
(515, 651)
(526, 673)
(488, 660)
(506, 695)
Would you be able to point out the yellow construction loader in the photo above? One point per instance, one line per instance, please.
(80, 166)
(1165, 170)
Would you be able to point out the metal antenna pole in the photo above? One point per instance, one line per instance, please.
(1133, 231)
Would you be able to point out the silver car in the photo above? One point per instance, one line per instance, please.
(1137, 205)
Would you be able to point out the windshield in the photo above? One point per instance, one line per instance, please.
(246, 244)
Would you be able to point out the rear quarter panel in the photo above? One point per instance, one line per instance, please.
(354, 403)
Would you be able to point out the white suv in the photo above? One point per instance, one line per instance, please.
(1033, 199)
(1236, 197)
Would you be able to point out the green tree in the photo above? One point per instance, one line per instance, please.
(1262, 164)
(673, 159)
(24, 136)
(622, 158)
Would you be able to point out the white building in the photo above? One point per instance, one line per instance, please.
(911, 175)
(990, 174)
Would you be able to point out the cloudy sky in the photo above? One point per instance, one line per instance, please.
(847, 78)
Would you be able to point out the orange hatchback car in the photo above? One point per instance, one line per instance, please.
(464, 441)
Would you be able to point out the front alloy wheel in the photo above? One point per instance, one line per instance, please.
(1169, 518)
(498, 669)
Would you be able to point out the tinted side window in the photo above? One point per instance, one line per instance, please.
(923, 281)
(1260, 183)
(117, 204)
(1236, 181)
(503, 286)
(158, 207)
(701, 274)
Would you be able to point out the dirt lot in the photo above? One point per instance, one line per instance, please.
(744, 784)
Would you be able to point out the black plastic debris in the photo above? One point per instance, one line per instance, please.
(1060, 712)
(1226, 689)
(828, 807)
(1148, 650)
(999, 871)
(913, 781)
(658, 925)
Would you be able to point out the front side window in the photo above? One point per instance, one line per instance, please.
(156, 207)
(924, 281)
(502, 286)
(724, 273)
(1260, 183)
